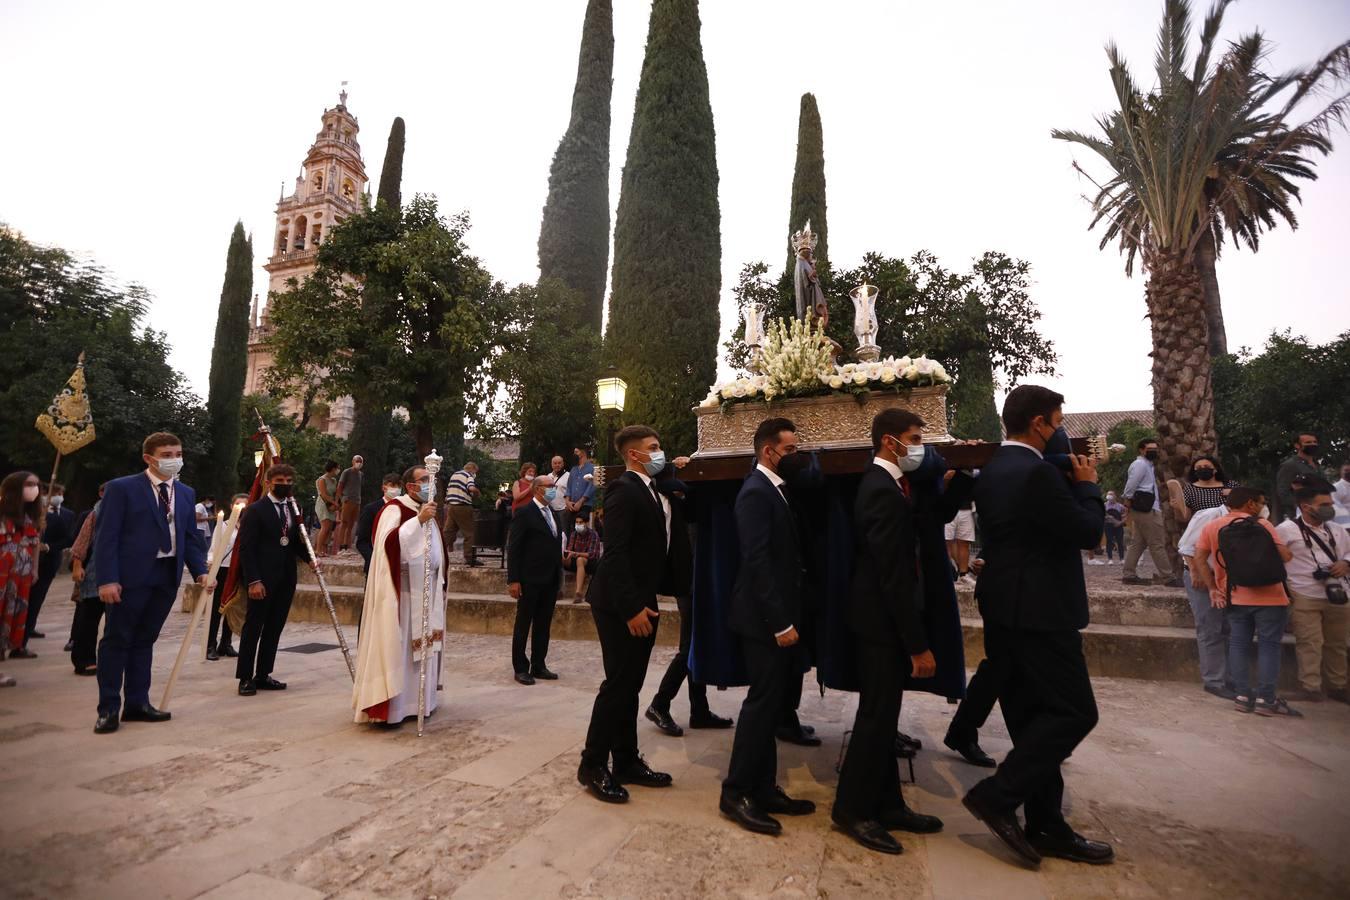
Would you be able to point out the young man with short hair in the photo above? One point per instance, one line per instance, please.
(1318, 583)
(1146, 521)
(1252, 609)
(1307, 452)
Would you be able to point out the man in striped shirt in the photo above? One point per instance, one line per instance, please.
(460, 493)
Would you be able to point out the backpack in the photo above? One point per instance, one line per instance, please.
(1248, 553)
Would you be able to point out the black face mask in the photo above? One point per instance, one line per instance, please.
(281, 491)
(1311, 451)
(1204, 474)
(1058, 444)
(1150, 455)
(795, 468)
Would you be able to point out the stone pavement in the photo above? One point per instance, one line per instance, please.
(280, 796)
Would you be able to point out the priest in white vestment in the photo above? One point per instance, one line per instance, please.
(388, 658)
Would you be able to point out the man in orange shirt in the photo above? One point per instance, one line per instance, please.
(1261, 609)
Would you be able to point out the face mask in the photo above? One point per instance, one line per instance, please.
(57, 501)
(1110, 498)
(913, 457)
(581, 528)
(656, 463)
(1311, 450)
(423, 494)
(1150, 455)
(1265, 512)
(550, 494)
(282, 491)
(1204, 474)
(30, 493)
(169, 468)
(392, 493)
(1323, 513)
(1058, 444)
(529, 478)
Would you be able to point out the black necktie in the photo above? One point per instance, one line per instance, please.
(165, 543)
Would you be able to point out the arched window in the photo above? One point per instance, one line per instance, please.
(282, 236)
(301, 223)
(314, 234)
(348, 189)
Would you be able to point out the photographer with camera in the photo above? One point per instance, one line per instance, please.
(1319, 580)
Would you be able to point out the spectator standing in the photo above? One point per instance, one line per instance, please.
(326, 507)
(1204, 488)
(1256, 608)
(1303, 462)
(583, 552)
(503, 516)
(204, 514)
(460, 493)
(88, 607)
(20, 512)
(1318, 584)
(1146, 522)
(1211, 623)
(391, 488)
(580, 488)
(1115, 527)
(523, 491)
(559, 502)
(349, 495)
(1340, 495)
(58, 533)
(960, 534)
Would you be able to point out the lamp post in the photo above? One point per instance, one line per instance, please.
(610, 392)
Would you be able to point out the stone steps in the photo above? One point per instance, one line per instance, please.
(1168, 607)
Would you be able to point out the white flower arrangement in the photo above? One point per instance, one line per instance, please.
(796, 363)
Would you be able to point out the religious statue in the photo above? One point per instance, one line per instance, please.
(865, 327)
(810, 298)
(754, 334)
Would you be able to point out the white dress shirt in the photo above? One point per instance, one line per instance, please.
(1308, 556)
(891, 468)
(1189, 537)
(1039, 453)
(155, 482)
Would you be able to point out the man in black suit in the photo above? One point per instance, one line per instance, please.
(1034, 603)
(622, 597)
(766, 605)
(884, 613)
(534, 577)
(268, 545)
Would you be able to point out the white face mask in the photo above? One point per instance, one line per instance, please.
(1265, 512)
(581, 528)
(529, 478)
(1110, 498)
(912, 459)
(169, 468)
(57, 500)
(30, 493)
(393, 493)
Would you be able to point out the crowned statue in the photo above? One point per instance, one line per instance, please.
(806, 286)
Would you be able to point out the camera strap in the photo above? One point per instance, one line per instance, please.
(1309, 533)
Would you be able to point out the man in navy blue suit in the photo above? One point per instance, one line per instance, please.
(1033, 599)
(147, 531)
(766, 609)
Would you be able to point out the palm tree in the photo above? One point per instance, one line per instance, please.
(1206, 151)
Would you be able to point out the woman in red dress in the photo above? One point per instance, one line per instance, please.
(20, 515)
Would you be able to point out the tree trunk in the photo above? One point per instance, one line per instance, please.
(1183, 390)
(1205, 256)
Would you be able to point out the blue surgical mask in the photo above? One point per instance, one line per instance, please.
(656, 463)
(550, 494)
(912, 459)
(424, 493)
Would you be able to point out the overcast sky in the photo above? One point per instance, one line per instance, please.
(139, 132)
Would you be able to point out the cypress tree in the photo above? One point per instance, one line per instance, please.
(808, 181)
(574, 236)
(663, 320)
(371, 418)
(229, 364)
(974, 414)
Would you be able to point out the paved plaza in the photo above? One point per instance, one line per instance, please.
(281, 796)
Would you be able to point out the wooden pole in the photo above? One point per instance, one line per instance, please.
(203, 601)
(56, 465)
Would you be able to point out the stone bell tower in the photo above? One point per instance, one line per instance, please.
(331, 186)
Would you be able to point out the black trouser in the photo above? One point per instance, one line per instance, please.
(218, 620)
(869, 782)
(792, 698)
(534, 618)
(1049, 708)
(37, 595)
(84, 632)
(981, 693)
(753, 770)
(262, 632)
(678, 670)
(613, 728)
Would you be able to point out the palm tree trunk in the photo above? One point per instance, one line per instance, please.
(1183, 393)
(1205, 256)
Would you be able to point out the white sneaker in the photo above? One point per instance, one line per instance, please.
(1095, 562)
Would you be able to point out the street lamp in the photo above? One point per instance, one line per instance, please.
(611, 391)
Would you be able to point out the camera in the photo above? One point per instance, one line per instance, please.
(1336, 593)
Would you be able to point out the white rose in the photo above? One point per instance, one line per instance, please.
(836, 382)
(940, 373)
(903, 363)
(738, 390)
(728, 392)
(925, 365)
(860, 377)
(911, 373)
(709, 401)
(887, 375)
(827, 377)
(846, 370)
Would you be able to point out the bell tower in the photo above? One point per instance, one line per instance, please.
(331, 186)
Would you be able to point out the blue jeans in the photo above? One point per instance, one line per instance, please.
(1267, 622)
(1211, 635)
(1115, 540)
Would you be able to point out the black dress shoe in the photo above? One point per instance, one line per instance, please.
(908, 741)
(227, 651)
(1005, 827)
(106, 724)
(662, 720)
(709, 720)
(797, 736)
(22, 653)
(869, 833)
(268, 683)
(87, 670)
(905, 819)
(601, 784)
(903, 750)
(1073, 846)
(544, 674)
(247, 688)
(970, 751)
(70, 645)
(211, 653)
(747, 814)
(37, 634)
(807, 729)
(641, 774)
(779, 802)
(146, 713)
(524, 678)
